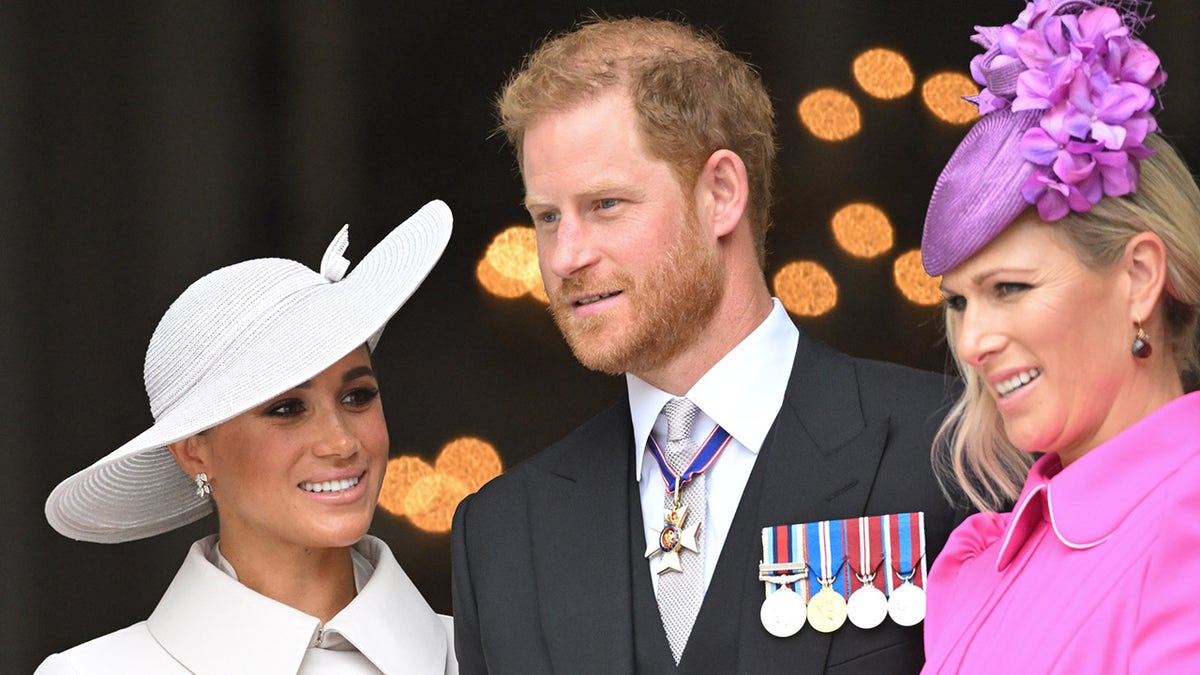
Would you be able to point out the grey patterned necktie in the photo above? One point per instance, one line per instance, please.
(680, 594)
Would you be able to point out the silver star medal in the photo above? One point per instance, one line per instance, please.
(672, 538)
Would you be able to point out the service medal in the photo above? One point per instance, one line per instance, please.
(906, 606)
(867, 607)
(782, 613)
(906, 547)
(827, 606)
(784, 574)
(827, 610)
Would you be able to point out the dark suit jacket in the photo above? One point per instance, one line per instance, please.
(547, 558)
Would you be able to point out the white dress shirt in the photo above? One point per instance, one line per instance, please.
(743, 393)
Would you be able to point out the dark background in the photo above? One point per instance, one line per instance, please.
(143, 144)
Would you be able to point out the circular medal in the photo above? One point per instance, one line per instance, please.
(668, 539)
(827, 610)
(867, 607)
(782, 613)
(907, 605)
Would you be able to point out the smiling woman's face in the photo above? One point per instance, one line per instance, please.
(305, 468)
(1048, 336)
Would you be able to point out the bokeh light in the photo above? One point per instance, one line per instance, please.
(427, 495)
(806, 288)
(496, 283)
(473, 461)
(402, 473)
(830, 115)
(538, 292)
(943, 94)
(883, 73)
(863, 230)
(431, 502)
(917, 286)
(509, 268)
(513, 252)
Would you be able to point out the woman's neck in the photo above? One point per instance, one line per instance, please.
(1142, 397)
(316, 581)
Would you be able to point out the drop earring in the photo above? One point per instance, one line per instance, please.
(1141, 343)
(203, 487)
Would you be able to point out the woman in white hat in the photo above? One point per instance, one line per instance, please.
(265, 406)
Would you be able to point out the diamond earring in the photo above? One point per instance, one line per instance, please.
(203, 487)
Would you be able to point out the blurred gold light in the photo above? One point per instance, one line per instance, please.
(402, 473)
(883, 73)
(806, 288)
(509, 268)
(913, 282)
(943, 94)
(496, 283)
(473, 461)
(513, 252)
(427, 495)
(431, 502)
(538, 291)
(862, 230)
(830, 115)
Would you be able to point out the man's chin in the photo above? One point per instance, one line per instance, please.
(599, 354)
(617, 355)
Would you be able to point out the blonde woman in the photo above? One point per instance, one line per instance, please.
(1067, 234)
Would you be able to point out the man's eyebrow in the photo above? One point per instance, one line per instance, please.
(592, 190)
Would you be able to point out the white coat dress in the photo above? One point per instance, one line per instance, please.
(208, 623)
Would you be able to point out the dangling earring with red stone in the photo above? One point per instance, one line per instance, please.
(1141, 343)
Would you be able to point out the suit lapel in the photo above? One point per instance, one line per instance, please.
(581, 549)
(818, 462)
(822, 454)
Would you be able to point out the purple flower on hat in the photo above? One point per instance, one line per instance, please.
(1094, 80)
(1032, 12)
(1069, 179)
(1110, 116)
(1117, 173)
(1050, 144)
(1068, 92)
(1097, 27)
(1044, 88)
(1055, 198)
(1133, 61)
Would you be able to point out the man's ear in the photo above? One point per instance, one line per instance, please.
(1145, 261)
(721, 192)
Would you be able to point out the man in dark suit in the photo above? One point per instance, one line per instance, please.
(646, 151)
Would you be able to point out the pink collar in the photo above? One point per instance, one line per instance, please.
(1088, 501)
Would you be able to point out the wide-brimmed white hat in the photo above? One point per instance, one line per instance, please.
(231, 341)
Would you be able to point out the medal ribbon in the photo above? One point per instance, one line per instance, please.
(905, 548)
(886, 545)
(827, 538)
(710, 449)
(864, 549)
(784, 544)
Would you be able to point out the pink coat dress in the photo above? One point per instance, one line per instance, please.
(1096, 570)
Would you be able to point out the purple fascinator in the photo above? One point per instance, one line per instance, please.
(1066, 104)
